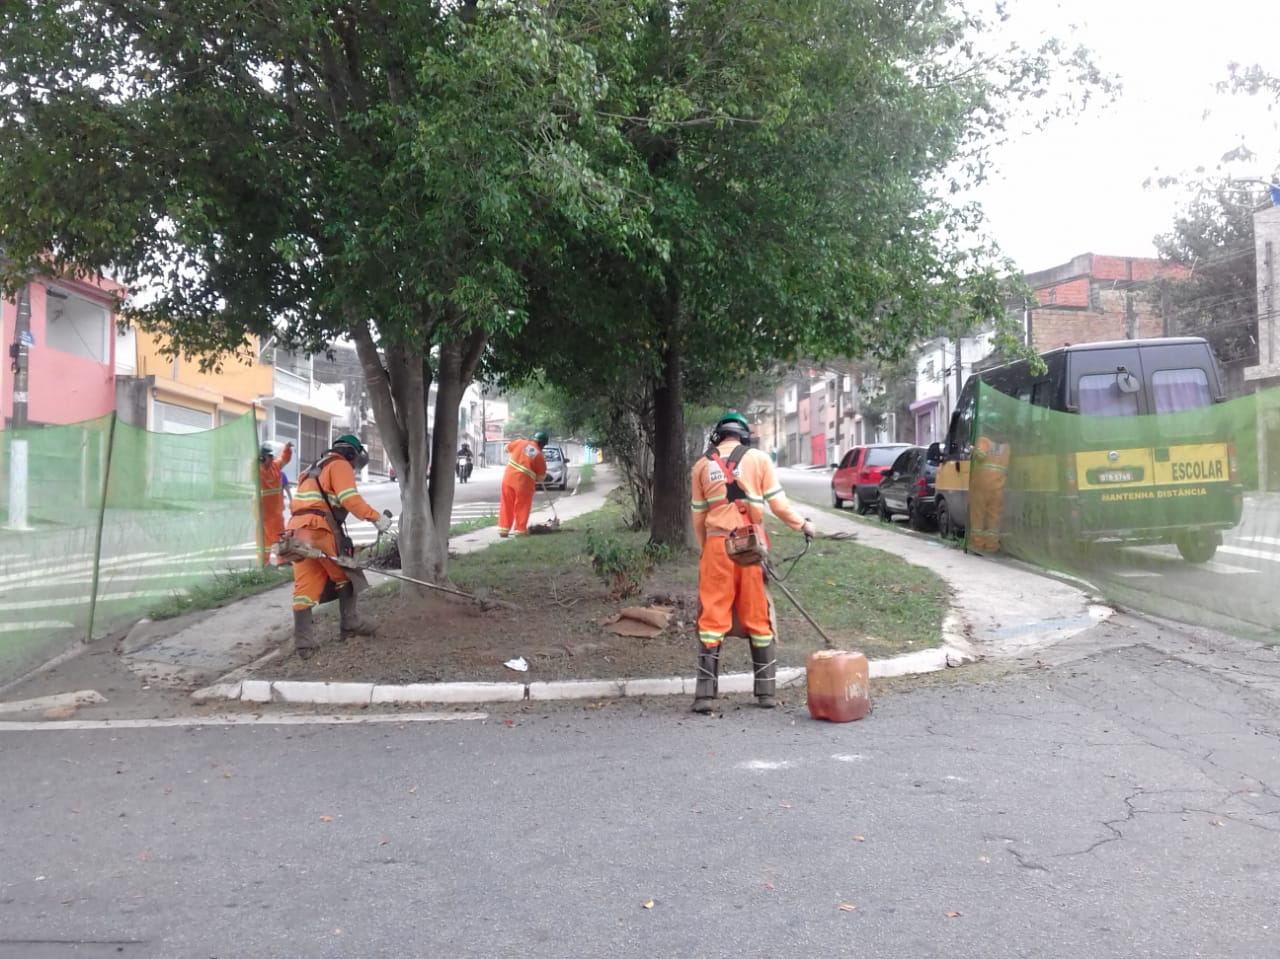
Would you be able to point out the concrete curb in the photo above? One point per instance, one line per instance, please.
(366, 694)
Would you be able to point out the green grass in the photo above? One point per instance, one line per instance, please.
(884, 601)
(225, 587)
(466, 526)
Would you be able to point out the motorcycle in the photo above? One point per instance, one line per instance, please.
(463, 469)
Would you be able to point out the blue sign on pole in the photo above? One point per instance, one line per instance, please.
(27, 339)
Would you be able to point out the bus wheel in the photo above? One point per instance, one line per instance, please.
(1198, 547)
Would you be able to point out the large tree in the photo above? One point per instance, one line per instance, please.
(788, 153)
(378, 170)
(1214, 293)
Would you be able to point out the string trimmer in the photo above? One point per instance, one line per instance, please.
(772, 573)
(294, 548)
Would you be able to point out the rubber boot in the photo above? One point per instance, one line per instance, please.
(764, 662)
(708, 685)
(349, 621)
(304, 641)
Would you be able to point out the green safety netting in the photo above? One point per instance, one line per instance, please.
(1162, 513)
(117, 520)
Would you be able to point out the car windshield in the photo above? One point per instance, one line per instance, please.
(882, 457)
(551, 453)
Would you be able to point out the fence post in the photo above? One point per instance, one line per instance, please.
(102, 515)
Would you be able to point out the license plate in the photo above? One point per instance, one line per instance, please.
(1117, 476)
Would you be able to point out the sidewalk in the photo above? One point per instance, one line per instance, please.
(999, 610)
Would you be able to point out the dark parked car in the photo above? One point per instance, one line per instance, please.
(907, 488)
(857, 476)
(557, 469)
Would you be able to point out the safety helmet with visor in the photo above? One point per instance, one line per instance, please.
(352, 450)
(541, 438)
(732, 423)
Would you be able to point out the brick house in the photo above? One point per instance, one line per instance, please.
(1093, 298)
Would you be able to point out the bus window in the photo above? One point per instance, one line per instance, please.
(1100, 395)
(1178, 390)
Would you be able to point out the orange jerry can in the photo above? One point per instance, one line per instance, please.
(838, 684)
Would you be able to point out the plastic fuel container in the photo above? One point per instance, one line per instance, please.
(839, 685)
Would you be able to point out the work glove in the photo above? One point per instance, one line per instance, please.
(809, 530)
(383, 522)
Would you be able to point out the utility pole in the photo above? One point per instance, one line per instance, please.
(18, 351)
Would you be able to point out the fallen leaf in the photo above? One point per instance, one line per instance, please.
(326, 819)
(785, 805)
(1219, 822)
(952, 915)
(649, 904)
(847, 907)
(337, 932)
(509, 722)
(226, 775)
(768, 885)
(859, 838)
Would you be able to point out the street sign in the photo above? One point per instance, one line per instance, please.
(27, 338)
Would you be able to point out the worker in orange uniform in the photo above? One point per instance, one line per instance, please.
(721, 504)
(525, 468)
(990, 466)
(270, 497)
(323, 496)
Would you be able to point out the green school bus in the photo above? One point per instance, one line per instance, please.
(1117, 441)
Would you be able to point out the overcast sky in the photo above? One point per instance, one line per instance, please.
(1078, 187)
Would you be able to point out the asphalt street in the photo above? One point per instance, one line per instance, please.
(1110, 798)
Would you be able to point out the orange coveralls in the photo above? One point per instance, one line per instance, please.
(986, 493)
(525, 467)
(723, 586)
(338, 480)
(271, 500)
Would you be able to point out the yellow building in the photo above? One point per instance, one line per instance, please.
(168, 394)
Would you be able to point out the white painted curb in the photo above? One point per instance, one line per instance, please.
(363, 694)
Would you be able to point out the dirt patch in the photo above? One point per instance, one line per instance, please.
(553, 619)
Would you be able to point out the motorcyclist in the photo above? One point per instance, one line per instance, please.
(465, 461)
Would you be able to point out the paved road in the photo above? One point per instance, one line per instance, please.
(1114, 803)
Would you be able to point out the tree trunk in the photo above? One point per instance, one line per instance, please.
(671, 523)
(457, 366)
(398, 394)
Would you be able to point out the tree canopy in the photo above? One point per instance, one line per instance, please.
(650, 197)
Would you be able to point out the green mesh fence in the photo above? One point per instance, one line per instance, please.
(117, 519)
(1160, 512)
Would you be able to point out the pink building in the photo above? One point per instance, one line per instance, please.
(71, 351)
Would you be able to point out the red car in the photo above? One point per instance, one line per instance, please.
(857, 478)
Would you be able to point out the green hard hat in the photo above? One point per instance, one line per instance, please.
(733, 423)
(350, 440)
(541, 438)
(266, 450)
